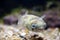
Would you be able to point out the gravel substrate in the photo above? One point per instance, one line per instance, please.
(12, 33)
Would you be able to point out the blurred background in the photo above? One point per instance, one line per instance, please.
(8, 7)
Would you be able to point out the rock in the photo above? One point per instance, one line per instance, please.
(52, 18)
(9, 20)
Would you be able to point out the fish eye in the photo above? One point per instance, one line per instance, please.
(33, 25)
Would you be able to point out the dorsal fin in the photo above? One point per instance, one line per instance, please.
(43, 16)
(24, 11)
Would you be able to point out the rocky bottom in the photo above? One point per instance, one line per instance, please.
(12, 33)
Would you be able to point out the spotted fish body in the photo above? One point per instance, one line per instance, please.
(29, 20)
